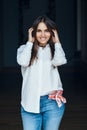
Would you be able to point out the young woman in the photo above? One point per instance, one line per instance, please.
(42, 103)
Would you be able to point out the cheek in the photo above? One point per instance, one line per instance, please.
(38, 34)
(49, 36)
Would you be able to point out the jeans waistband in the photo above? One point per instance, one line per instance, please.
(44, 97)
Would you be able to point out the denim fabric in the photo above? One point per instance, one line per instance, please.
(49, 117)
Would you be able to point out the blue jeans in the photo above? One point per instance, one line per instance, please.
(49, 117)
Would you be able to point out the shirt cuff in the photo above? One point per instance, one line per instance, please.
(29, 43)
(58, 44)
(60, 88)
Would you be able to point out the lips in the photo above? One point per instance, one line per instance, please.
(42, 39)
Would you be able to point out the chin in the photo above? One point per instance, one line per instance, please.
(42, 44)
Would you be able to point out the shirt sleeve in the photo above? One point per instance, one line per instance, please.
(24, 54)
(59, 56)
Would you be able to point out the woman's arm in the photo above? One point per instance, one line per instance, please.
(24, 51)
(59, 55)
(24, 54)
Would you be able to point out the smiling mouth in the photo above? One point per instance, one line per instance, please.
(42, 39)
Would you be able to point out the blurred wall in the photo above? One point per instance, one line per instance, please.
(83, 33)
(9, 33)
(1, 34)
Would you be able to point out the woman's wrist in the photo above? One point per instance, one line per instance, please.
(57, 41)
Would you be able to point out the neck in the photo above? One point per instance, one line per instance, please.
(44, 45)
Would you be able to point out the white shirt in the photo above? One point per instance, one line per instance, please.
(41, 77)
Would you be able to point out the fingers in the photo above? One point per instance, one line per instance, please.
(52, 97)
(55, 37)
(53, 94)
(57, 96)
(56, 93)
(59, 92)
(30, 30)
(62, 98)
(55, 32)
(30, 37)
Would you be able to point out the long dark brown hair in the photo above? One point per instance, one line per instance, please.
(50, 26)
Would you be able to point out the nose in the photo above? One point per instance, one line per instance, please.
(43, 34)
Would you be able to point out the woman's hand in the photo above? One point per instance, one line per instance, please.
(30, 37)
(57, 95)
(55, 37)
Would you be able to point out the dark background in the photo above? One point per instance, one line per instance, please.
(16, 16)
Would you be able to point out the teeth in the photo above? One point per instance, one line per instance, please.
(42, 38)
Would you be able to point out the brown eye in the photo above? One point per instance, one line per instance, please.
(38, 30)
(46, 30)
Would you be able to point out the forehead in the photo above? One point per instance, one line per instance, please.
(41, 25)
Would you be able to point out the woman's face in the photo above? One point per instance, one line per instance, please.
(42, 34)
